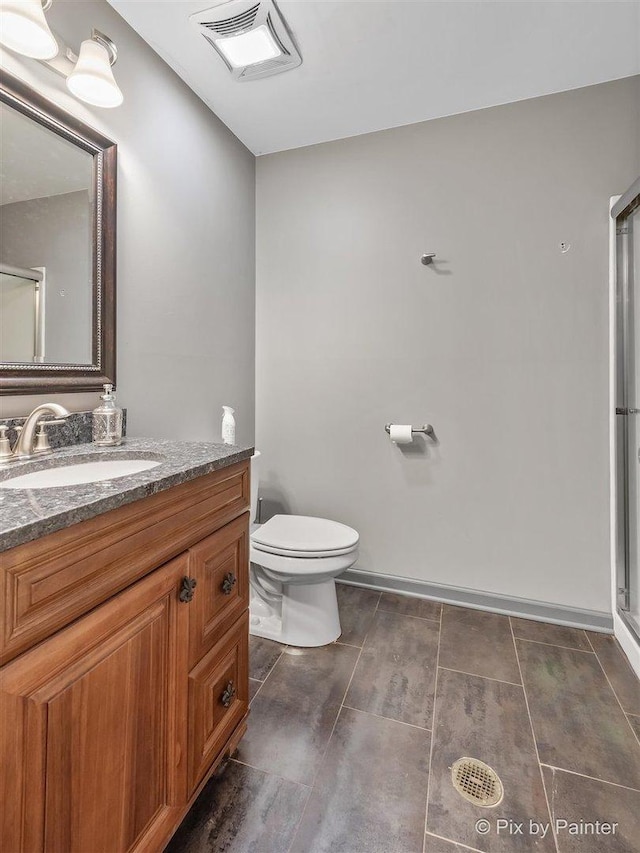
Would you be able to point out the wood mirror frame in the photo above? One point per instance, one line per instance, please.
(26, 378)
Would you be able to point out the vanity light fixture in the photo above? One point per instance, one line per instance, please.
(92, 79)
(24, 28)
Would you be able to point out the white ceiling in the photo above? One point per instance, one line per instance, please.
(374, 64)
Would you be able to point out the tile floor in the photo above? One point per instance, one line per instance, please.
(349, 746)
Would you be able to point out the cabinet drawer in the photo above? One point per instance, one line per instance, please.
(218, 698)
(220, 566)
(48, 583)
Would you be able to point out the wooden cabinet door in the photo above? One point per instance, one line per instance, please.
(220, 566)
(93, 727)
(218, 698)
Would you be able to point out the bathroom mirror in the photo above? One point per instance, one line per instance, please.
(57, 247)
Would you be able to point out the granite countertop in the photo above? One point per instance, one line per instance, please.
(27, 514)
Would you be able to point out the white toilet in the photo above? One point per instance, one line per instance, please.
(294, 560)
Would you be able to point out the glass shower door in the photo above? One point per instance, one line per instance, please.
(627, 213)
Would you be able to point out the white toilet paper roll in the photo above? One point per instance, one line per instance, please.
(400, 433)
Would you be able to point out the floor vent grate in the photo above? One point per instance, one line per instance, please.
(476, 782)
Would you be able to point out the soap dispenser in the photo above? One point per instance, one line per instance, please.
(107, 420)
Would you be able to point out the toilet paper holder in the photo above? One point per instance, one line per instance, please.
(427, 429)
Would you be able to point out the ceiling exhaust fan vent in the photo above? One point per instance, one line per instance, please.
(251, 38)
(235, 24)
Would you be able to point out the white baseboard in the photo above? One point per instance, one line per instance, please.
(540, 611)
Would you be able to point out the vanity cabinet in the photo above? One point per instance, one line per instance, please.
(111, 724)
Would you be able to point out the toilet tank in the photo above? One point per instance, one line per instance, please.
(255, 482)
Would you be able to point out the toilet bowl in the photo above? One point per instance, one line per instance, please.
(294, 560)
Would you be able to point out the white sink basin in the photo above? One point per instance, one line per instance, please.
(76, 475)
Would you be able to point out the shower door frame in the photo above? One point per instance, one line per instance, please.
(623, 209)
(38, 276)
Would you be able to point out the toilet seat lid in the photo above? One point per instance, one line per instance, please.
(304, 535)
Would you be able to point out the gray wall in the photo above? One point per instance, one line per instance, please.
(55, 233)
(186, 225)
(502, 345)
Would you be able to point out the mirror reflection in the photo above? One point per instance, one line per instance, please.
(46, 245)
(21, 328)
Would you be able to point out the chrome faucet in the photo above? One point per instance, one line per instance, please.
(30, 443)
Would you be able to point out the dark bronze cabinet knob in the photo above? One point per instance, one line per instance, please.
(228, 695)
(186, 589)
(228, 583)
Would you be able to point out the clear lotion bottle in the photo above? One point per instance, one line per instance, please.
(107, 420)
